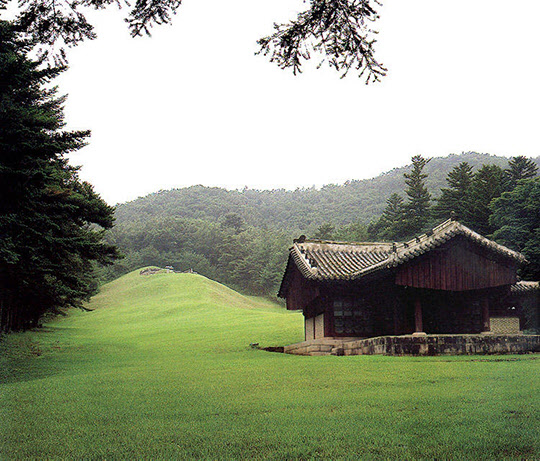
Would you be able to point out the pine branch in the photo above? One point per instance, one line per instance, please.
(338, 30)
(146, 13)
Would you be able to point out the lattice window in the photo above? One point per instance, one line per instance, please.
(351, 317)
(504, 325)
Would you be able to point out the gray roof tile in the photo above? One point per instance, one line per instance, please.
(324, 260)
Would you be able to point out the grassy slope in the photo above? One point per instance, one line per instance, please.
(162, 369)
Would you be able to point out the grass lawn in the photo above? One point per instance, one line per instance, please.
(162, 369)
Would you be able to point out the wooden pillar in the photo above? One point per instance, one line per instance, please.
(486, 327)
(395, 317)
(418, 322)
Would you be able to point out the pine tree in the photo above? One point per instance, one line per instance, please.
(339, 31)
(51, 223)
(516, 217)
(488, 184)
(456, 198)
(417, 208)
(519, 167)
(390, 225)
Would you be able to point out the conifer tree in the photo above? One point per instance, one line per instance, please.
(390, 225)
(417, 208)
(488, 183)
(456, 198)
(51, 223)
(339, 31)
(519, 167)
(516, 217)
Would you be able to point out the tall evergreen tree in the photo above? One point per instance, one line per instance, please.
(516, 216)
(519, 167)
(488, 183)
(390, 225)
(456, 198)
(51, 223)
(417, 208)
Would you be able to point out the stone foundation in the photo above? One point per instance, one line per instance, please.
(419, 345)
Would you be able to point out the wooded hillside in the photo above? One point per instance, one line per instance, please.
(299, 210)
(241, 238)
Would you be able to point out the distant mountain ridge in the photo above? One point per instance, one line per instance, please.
(302, 209)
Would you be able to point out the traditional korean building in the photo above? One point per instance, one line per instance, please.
(449, 280)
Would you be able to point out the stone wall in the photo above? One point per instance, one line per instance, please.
(420, 345)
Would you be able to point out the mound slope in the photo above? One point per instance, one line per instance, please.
(162, 369)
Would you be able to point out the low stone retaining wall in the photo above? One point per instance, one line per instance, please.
(419, 345)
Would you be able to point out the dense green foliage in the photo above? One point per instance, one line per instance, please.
(471, 194)
(47, 242)
(162, 369)
(244, 257)
(519, 167)
(488, 184)
(516, 216)
(302, 209)
(391, 224)
(241, 238)
(404, 219)
(456, 198)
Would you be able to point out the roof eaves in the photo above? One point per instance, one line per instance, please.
(303, 264)
(525, 287)
(444, 232)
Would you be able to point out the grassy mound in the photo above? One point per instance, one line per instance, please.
(162, 369)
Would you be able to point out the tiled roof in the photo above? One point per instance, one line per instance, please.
(323, 260)
(525, 287)
(334, 260)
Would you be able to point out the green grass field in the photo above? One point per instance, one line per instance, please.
(162, 369)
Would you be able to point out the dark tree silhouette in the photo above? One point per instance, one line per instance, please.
(51, 223)
(338, 31)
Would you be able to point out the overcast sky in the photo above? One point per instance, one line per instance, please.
(193, 105)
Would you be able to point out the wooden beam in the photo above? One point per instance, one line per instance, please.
(418, 324)
(486, 327)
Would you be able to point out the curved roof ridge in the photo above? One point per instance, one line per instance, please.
(338, 242)
(444, 232)
(330, 260)
(303, 262)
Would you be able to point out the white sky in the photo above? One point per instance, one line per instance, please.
(193, 105)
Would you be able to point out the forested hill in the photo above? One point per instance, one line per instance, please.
(240, 238)
(301, 209)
